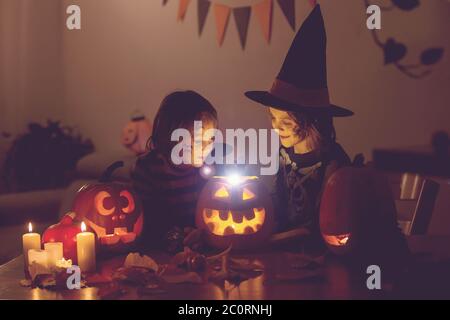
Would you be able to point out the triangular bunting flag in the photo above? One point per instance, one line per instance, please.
(182, 8)
(202, 10)
(242, 18)
(264, 10)
(288, 8)
(222, 14)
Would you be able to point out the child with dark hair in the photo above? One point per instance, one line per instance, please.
(169, 192)
(302, 114)
(308, 156)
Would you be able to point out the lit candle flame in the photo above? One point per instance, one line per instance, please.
(83, 227)
(30, 227)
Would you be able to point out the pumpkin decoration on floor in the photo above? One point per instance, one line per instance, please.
(235, 210)
(136, 134)
(66, 232)
(112, 210)
(358, 215)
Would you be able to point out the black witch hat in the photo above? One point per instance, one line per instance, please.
(301, 85)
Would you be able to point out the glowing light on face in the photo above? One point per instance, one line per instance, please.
(285, 126)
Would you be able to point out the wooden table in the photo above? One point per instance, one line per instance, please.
(337, 282)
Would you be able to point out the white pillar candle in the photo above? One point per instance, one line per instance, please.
(30, 240)
(38, 256)
(55, 252)
(86, 250)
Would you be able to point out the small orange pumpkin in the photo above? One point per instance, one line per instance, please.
(358, 214)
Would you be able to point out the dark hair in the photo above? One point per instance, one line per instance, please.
(317, 128)
(178, 110)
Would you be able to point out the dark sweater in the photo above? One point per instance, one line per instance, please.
(299, 184)
(169, 194)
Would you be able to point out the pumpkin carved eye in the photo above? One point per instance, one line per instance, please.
(128, 201)
(222, 193)
(104, 203)
(247, 194)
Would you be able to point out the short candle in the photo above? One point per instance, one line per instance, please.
(55, 252)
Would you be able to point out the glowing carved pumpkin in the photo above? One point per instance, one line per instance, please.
(112, 210)
(136, 134)
(358, 215)
(237, 212)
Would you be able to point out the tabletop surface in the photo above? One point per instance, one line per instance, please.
(336, 280)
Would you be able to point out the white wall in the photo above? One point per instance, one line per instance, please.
(31, 87)
(130, 54)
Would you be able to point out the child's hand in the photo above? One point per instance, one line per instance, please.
(193, 238)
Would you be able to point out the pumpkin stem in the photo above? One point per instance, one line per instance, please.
(106, 176)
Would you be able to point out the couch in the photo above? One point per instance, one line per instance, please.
(45, 207)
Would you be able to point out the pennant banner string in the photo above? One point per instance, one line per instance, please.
(262, 9)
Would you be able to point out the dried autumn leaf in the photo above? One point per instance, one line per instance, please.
(44, 281)
(133, 275)
(25, 283)
(136, 260)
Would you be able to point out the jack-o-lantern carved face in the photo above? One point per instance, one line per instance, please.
(112, 210)
(136, 134)
(235, 210)
(357, 209)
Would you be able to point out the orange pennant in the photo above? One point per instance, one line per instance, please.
(264, 12)
(222, 14)
(182, 9)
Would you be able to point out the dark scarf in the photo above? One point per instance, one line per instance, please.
(304, 176)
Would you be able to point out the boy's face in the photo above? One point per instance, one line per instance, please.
(285, 127)
(207, 144)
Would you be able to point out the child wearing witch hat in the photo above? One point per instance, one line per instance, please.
(302, 115)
